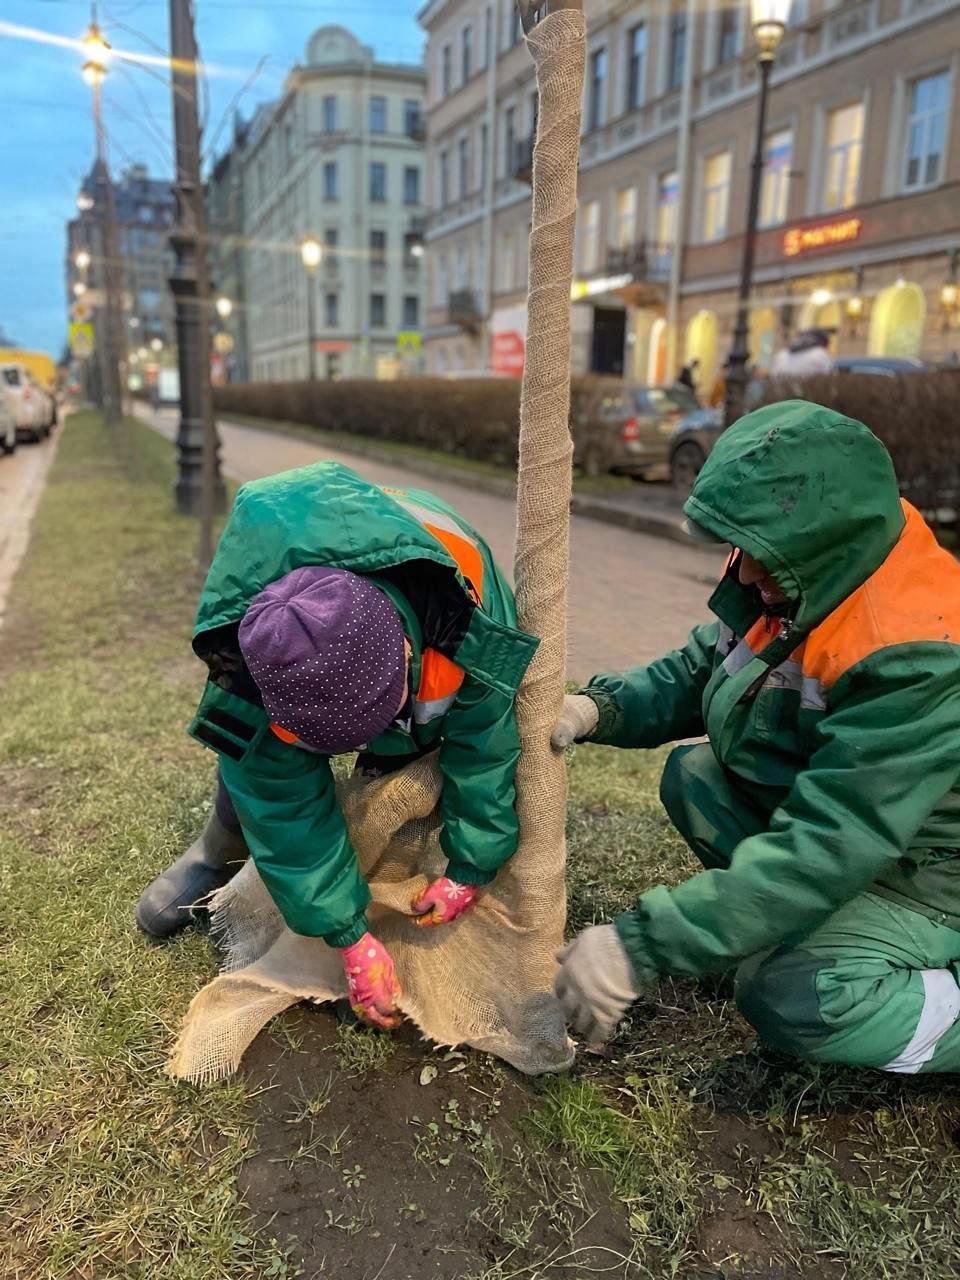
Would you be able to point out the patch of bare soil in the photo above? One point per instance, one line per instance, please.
(392, 1178)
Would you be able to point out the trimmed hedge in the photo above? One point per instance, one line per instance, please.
(469, 418)
(916, 415)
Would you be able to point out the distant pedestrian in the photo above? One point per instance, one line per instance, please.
(687, 377)
(808, 354)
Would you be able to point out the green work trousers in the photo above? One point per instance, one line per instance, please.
(876, 985)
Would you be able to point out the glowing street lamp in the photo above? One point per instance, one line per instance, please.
(311, 254)
(84, 202)
(79, 289)
(81, 259)
(769, 20)
(224, 307)
(98, 51)
(156, 344)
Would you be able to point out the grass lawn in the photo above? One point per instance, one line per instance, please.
(684, 1150)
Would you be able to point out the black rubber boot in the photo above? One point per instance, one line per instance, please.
(170, 903)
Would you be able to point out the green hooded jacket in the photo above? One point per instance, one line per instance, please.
(840, 719)
(408, 542)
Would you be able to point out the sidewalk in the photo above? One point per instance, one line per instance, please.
(654, 509)
(632, 596)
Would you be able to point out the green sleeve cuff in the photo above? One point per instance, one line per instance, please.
(351, 934)
(644, 972)
(608, 713)
(464, 873)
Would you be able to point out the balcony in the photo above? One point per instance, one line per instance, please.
(643, 262)
(463, 310)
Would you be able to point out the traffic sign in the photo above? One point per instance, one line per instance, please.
(81, 340)
(81, 311)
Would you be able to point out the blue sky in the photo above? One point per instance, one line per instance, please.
(46, 144)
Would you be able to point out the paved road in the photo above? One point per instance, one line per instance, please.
(632, 596)
(21, 483)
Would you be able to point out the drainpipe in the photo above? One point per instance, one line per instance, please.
(489, 117)
(683, 186)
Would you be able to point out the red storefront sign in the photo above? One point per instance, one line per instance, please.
(507, 353)
(821, 236)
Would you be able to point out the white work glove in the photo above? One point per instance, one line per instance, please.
(596, 983)
(578, 719)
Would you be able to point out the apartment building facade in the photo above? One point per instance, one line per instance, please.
(145, 212)
(860, 201)
(340, 158)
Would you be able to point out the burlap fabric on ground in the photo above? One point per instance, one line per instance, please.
(485, 980)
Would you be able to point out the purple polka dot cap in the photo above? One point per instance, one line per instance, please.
(326, 649)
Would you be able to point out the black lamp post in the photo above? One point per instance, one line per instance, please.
(769, 24)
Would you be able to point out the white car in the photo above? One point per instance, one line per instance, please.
(32, 407)
(8, 420)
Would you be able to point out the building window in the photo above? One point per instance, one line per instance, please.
(625, 225)
(484, 153)
(668, 191)
(775, 187)
(378, 114)
(677, 55)
(466, 54)
(378, 248)
(926, 129)
(636, 65)
(488, 36)
(728, 33)
(446, 63)
(444, 172)
(844, 149)
(290, 140)
(331, 185)
(330, 114)
(378, 310)
(378, 182)
(440, 282)
(411, 312)
(596, 108)
(411, 185)
(412, 118)
(464, 166)
(331, 310)
(716, 195)
(506, 261)
(509, 140)
(331, 241)
(590, 236)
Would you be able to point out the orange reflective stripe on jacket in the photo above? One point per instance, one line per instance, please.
(441, 678)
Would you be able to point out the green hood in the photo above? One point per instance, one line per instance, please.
(323, 513)
(809, 493)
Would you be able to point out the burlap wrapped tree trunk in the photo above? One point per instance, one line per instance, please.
(485, 980)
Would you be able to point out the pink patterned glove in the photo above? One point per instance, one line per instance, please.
(444, 900)
(371, 982)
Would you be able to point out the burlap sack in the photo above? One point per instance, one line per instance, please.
(485, 980)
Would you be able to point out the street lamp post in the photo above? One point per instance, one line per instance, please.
(769, 25)
(311, 254)
(200, 489)
(111, 341)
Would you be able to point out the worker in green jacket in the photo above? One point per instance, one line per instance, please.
(338, 616)
(825, 804)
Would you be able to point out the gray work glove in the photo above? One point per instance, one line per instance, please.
(596, 983)
(578, 719)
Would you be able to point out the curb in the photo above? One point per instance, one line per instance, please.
(603, 510)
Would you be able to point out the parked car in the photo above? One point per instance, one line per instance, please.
(32, 407)
(8, 420)
(632, 430)
(696, 434)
